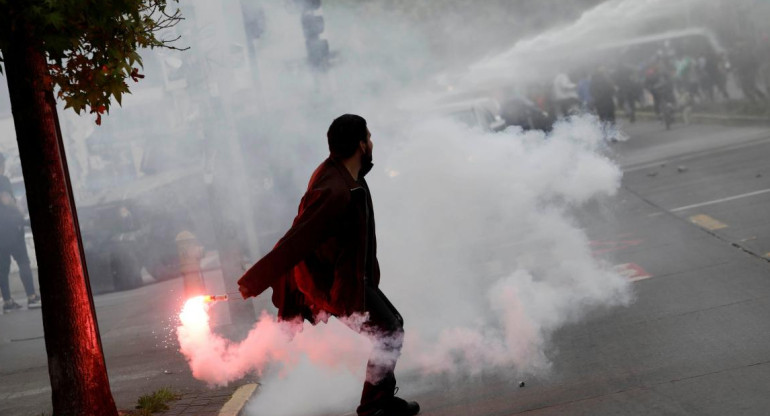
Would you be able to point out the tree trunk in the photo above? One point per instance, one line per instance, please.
(76, 367)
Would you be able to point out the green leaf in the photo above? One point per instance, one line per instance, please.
(54, 19)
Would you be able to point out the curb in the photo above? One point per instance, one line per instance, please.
(238, 400)
(710, 118)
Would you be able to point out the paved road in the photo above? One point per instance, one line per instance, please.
(138, 337)
(688, 224)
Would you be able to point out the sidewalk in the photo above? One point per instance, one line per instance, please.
(227, 401)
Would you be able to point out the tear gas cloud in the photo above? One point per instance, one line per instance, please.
(477, 234)
(477, 252)
(477, 245)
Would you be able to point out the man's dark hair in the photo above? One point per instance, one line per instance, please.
(2, 160)
(344, 134)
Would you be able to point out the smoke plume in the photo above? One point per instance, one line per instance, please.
(478, 245)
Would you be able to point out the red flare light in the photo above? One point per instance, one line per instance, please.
(194, 314)
(214, 298)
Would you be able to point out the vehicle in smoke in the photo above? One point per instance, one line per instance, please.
(483, 113)
(133, 227)
(111, 240)
(518, 110)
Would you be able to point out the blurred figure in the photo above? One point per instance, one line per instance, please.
(540, 95)
(687, 77)
(603, 93)
(584, 92)
(662, 87)
(746, 69)
(565, 94)
(12, 244)
(658, 81)
(764, 58)
(714, 68)
(628, 90)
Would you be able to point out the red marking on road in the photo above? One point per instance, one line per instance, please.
(632, 271)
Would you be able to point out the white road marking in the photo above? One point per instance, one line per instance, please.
(29, 392)
(718, 201)
(43, 389)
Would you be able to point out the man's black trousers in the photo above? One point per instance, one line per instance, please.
(385, 327)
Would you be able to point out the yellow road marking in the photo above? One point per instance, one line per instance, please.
(707, 222)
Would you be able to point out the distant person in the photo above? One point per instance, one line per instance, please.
(658, 81)
(764, 58)
(326, 264)
(688, 77)
(12, 244)
(565, 94)
(714, 69)
(540, 95)
(584, 92)
(628, 90)
(603, 94)
(746, 70)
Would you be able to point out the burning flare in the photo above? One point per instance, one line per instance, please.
(195, 316)
(214, 298)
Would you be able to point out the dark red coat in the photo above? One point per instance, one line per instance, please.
(321, 262)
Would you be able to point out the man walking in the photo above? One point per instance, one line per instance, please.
(12, 244)
(327, 263)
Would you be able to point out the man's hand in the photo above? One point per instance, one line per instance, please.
(244, 292)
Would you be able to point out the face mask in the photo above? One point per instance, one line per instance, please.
(366, 162)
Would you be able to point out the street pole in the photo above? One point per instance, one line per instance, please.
(229, 172)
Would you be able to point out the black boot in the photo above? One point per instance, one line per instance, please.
(374, 397)
(397, 406)
(380, 400)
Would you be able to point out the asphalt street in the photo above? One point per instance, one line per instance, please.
(138, 332)
(688, 227)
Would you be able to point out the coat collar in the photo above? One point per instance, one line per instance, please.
(349, 181)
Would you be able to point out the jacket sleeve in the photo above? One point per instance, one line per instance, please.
(313, 225)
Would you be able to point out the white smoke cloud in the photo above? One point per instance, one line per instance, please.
(218, 360)
(477, 242)
(478, 252)
(475, 229)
